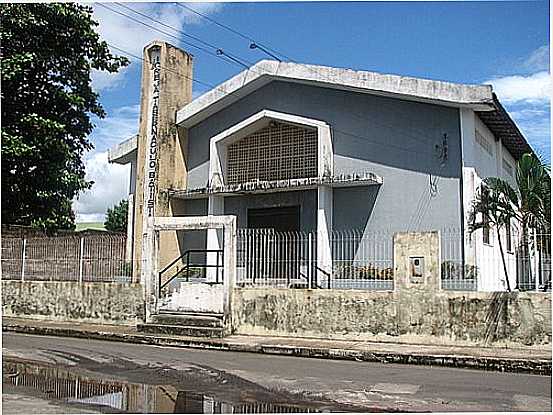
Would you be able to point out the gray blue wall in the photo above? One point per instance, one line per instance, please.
(393, 138)
(306, 200)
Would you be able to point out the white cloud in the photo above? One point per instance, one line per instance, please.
(535, 123)
(120, 124)
(538, 59)
(526, 95)
(111, 181)
(534, 88)
(131, 36)
(104, 81)
(111, 184)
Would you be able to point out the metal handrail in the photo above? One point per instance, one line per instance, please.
(188, 266)
(187, 253)
(325, 273)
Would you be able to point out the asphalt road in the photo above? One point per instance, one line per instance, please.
(339, 385)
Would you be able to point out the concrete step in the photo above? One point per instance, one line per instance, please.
(189, 319)
(193, 331)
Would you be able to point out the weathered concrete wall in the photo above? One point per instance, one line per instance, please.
(469, 318)
(175, 90)
(87, 302)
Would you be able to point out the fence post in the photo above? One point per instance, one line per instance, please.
(81, 259)
(309, 259)
(536, 262)
(23, 259)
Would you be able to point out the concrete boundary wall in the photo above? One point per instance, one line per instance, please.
(456, 318)
(87, 302)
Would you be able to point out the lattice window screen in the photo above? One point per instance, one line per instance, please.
(276, 152)
(484, 143)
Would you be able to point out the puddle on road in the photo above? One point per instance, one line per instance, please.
(61, 384)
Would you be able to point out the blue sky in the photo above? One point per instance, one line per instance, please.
(503, 43)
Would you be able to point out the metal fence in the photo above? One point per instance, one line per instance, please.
(91, 258)
(469, 263)
(353, 259)
(362, 260)
(269, 258)
(531, 261)
(456, 273)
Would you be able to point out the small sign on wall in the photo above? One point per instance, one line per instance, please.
(416, 269)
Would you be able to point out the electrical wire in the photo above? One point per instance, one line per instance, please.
(364, 138)
(130, 54)
(230, 29)
(166, 33)
(203, 42)
(257, 44)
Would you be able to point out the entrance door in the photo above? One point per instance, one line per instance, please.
(281, 219)
(275, 252)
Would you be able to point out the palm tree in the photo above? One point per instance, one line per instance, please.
(491, 208)
(496, 201)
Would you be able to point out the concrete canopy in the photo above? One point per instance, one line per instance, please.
(124, 152)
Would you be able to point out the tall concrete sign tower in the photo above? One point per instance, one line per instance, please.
(160, 164)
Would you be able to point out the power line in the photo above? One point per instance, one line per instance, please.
(164, 32)
(166, 25)
(203, 42)
(223, 53)
(257, 45)
(130, 54)
(365, 139)
(236, 32)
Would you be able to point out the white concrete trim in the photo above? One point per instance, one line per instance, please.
(124, 152)
(172, 223)
(218, 144)
(215, 207)
(324, 228)
(130, 228)
(479, 97)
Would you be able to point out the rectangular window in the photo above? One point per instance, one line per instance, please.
(486, 229)
(484, 143)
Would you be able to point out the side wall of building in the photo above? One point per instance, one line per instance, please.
(415, 147)
(485, 156)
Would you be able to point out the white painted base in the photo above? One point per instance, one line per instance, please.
(196, 297)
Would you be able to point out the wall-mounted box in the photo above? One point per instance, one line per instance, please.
(416, 269)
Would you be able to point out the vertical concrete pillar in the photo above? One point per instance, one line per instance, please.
(215, 207)
(230, 270)
(417, 261)
(130, 228)
(324, 230)
(166, 87)
(149, 267)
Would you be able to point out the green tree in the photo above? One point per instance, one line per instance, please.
(529, 204)
(492, 209)
(116, 217)
(47, 54)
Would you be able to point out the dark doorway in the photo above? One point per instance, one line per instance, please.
(281, 219)
(274, 253)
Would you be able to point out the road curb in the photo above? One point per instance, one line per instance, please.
(499, 364)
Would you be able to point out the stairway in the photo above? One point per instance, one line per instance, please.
(185, 324)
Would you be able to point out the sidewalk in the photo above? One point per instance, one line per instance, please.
(535, 360)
